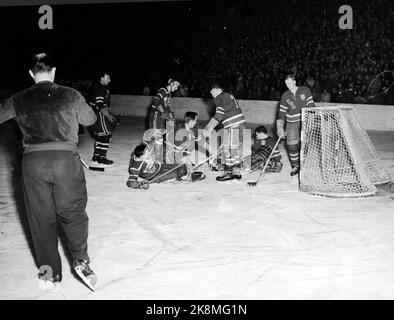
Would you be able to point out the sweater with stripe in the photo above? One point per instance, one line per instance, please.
(268, 145)
(291, 104)
(228, 111)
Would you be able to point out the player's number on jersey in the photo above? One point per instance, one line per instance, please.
(46, 18)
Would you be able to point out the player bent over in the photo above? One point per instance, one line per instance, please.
(230, 115)
(261, 150)
(291, 103)
(160, 114)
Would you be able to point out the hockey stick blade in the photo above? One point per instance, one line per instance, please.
(96, 168)
(90, 167)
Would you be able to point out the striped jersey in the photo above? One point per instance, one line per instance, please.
(291, 104)
(268, 144)
(228, 111)
(99, 101)
(138, 168)
(100, 97)
(161, 101)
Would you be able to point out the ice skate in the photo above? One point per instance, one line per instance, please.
(294, 171)
(102, 161)
(87, 275)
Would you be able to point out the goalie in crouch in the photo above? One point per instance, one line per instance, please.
(291, 103)
(261, 150)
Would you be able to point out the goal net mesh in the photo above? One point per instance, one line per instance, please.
(337, 156)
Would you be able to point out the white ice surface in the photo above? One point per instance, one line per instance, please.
(208, 240)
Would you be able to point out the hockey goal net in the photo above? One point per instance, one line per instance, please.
(337, 156)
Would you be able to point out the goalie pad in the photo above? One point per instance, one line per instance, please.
(259, 158)
(156, 135)
(211, 124)
(105, 111)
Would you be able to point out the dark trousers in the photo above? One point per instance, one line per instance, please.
(55, 196)
(293, 142)
(101, 145)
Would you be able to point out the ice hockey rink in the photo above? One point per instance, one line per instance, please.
(207, 240)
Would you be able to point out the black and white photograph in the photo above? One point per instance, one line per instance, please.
(224, 150)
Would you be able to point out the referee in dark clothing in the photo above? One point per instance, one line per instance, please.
(53, 178)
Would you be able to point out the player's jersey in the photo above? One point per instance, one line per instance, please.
(187, 144)
(161, 101)
(100, 99)
(291, 104)
(141, 169)
(228, 111)
(269, 146)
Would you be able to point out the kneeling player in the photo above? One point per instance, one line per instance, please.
(184, 150)
(144, 168)
(261, 149)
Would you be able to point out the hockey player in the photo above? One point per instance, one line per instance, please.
(102, 130)
(184, 150)
(160, 110)
(262, 148)
(160, 114)
(230, 115)
(143, 168)
(291, 103)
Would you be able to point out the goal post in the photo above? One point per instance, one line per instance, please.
(337, 157)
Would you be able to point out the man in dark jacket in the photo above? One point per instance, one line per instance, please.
(53, 177)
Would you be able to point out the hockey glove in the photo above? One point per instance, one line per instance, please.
(134, 184)
(108, 115)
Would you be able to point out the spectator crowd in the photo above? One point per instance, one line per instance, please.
(250, 47)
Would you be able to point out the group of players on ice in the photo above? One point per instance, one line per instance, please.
(54, 184)
(170, 151)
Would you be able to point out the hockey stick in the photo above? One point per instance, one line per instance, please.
(90, 167)
(254, 183)
(165, 173)
(180, 165)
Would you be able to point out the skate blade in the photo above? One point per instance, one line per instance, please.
(90, 281)
(102, 165)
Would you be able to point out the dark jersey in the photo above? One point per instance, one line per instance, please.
(228, 111)
(161, 101)
(268, 145)
(160, 110)
(291, 104)
(140, 169)
(99, 100)
(99, 97)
